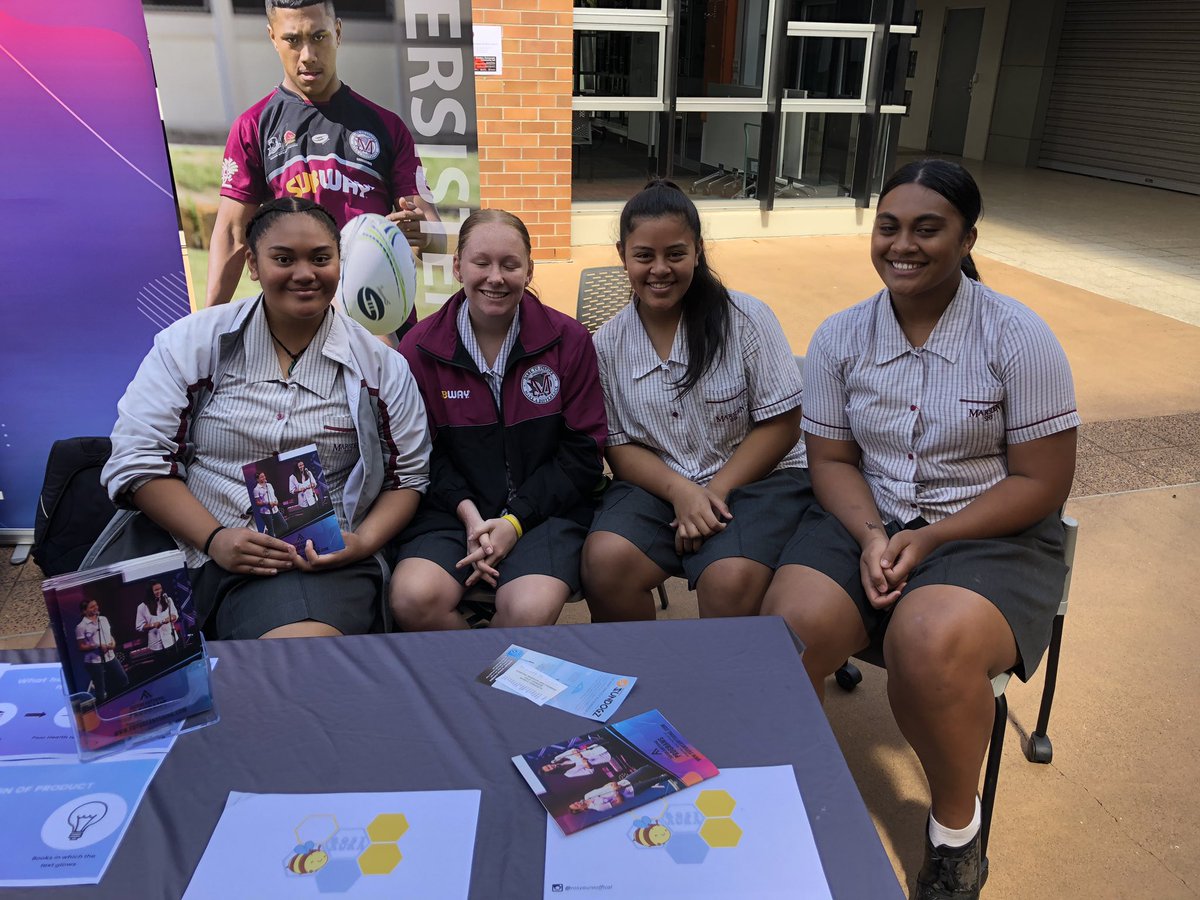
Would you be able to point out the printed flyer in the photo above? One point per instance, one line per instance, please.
(34, 720)
(582, 691)
(397, 844)
(745, 834)
(599, 775)
(72, 815)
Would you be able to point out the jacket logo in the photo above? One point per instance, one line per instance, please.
(364, 144)
(228, 169)
(274, 147)
(539, 384)
(456, 395)
(320, 138)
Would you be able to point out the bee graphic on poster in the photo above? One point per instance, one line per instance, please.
(306, 859)
(647, 832)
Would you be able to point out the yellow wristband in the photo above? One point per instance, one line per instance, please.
(515, 523)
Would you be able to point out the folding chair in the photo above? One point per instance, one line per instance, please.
(1039, 749)
(603, 292)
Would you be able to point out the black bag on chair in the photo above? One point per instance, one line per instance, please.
(73, 508)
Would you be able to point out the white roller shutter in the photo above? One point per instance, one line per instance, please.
(1126, 97)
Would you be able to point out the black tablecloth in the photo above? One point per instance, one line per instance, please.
(404, 712)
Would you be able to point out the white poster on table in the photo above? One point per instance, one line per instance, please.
(397, 844)
(742, 834)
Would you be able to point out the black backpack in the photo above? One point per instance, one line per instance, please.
(73, 508)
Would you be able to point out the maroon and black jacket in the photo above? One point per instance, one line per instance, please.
(546, 442)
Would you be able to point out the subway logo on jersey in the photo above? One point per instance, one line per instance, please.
(308, 183)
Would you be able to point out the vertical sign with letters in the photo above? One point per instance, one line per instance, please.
(437, 62)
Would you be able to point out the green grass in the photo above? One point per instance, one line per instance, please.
(198, 263)
(197, 169)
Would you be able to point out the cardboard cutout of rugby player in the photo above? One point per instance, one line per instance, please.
(312, 136)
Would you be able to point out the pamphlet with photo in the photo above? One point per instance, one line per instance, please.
(604, 773)
(133, 658)
(290, 500)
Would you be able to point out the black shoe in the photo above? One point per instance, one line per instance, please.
(951, 873)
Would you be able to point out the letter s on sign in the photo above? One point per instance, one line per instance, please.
(445, 108)
(446, 179)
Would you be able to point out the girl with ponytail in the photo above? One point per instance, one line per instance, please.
(703, 402)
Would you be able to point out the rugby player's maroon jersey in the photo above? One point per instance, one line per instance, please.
(350, 155)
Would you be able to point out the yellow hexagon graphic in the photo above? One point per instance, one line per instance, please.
(715, 803)
(387, 827)
(379, 859)
(721, 832)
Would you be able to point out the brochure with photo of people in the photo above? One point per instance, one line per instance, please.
(290, 500)
(133, 658)
(604, 773)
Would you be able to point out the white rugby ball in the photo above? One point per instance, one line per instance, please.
(378, 284)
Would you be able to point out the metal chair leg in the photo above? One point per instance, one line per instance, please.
(992, 776)
(662, 594)
(1039, 748)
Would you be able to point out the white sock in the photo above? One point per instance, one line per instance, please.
(941, 836)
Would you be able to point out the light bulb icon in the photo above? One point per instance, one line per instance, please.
(84, 816)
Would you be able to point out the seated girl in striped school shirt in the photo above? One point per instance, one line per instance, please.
(232, 384)
(940, 420)
(703, 400)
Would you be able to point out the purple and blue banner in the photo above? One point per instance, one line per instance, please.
(90, 261)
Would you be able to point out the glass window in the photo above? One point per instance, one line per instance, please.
(722, 48)
(616, 63)
(817, 158)
(856, 11)
(177, 4)
(824, 68)
(716, 154)
(613, 154)
(892, 88)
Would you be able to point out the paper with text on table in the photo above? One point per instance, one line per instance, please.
(588, 692)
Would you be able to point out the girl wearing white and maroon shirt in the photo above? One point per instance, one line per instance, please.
(940, 421)
(703, 401)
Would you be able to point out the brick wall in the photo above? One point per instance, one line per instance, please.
(525, 119)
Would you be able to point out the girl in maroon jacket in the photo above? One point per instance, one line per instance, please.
(517, 417)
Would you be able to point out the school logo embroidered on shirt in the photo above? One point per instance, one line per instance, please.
(539, 384)
(364, 144)
(985, 409)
